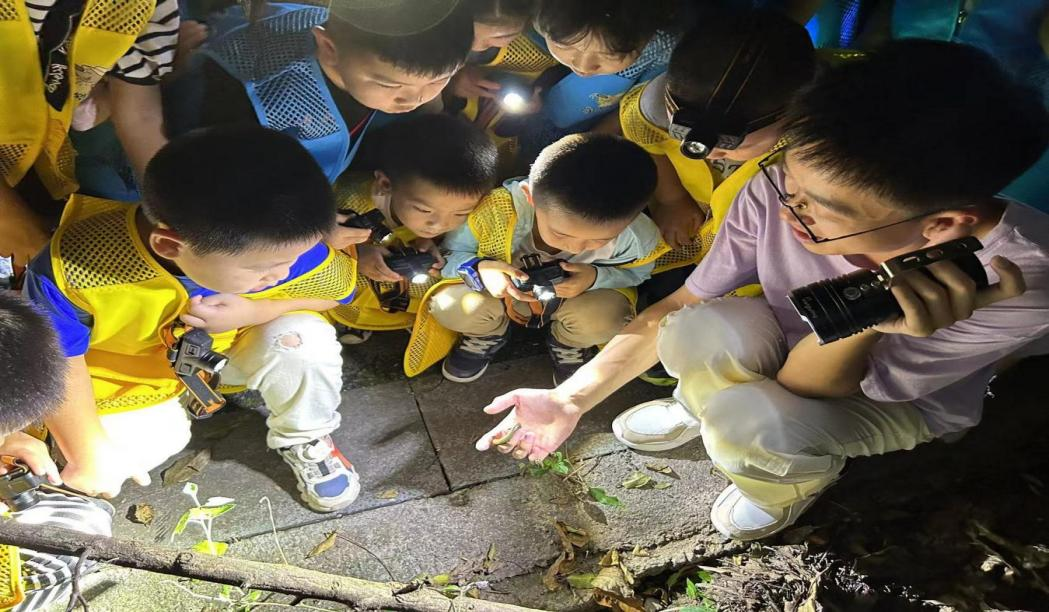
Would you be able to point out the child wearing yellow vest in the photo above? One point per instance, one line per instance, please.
(433, 171)
(728, 81)
(579, 210)
(117, 281)
(34, 387)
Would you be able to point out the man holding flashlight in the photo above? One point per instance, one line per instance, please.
(880, 163)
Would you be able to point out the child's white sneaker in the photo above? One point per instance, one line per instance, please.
(736, 517)
(659, 425)
(327, 480)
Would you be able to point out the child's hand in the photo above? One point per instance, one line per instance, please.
(224, 311)
(342, 237)
(470, 83)
(31, 452)
(427, 245)
(370, 263)
(580, 278)
(496, 277)
(103, 474)
(678, 222)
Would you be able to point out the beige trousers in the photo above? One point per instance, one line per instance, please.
(777, 447)
(592, 318)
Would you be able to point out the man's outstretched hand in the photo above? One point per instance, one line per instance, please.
(545, 419)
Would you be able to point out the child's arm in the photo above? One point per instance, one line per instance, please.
(22, 233)
(225, 311)
(33, 453)
(95, 465)
(462, 247)
(138, 120)
(675, 212)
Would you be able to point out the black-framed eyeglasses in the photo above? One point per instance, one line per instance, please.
(785, 200)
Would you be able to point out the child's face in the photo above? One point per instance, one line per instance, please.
(376, 83)
(495, 35)
(573, 234)
(426, 209)
(251, 270)
(589, 56)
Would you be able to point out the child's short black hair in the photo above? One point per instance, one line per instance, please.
(32, 366)
(439, 50)
(624, 26)
(227, 188)
(700, 59)
(501, 11)
(447, 151)
(929, 125)
(599, 177)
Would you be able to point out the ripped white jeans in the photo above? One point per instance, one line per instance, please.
(777, 447)
(294, 361)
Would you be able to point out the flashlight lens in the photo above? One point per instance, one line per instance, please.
(514, 102)
(422, 277)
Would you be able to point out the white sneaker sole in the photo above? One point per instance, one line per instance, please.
(651, 447)
(459, 379)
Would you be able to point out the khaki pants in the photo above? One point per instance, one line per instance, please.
(777, 447)
(592, 318)
(294, 361)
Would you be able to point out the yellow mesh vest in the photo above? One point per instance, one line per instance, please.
(101, 266)
(31, 132)
(353, 192)
(12, 591)
(492, 224)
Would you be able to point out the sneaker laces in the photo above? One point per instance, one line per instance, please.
(480, 344)
(314, 460)
(568, 355)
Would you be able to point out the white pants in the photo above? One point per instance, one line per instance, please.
(777, 447)
(294, 361)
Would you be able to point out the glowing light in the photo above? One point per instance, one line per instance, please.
(422, 277)
(514, 102)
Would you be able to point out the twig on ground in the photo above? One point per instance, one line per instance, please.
(75, 596)
(374, 556)
(273, 526)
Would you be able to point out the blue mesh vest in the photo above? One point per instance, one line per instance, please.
(275, 59)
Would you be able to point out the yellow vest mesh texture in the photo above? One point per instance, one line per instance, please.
(430, 340)
(11, 154)
(11, 590)
(636, 128)
(523, 55)
(8, 12)
(122, 17)
(332, 279)
(96, 253)
(353, 192)
(492, 224)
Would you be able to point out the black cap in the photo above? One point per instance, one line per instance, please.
(393, 17)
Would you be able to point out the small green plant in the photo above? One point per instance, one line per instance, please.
(696, 590)
(556, 463)
(559, 464)
(203, 515)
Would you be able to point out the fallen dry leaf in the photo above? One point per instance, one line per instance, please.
(639, 552)
(617, 602)
(661, 468)
(387, 494)
(142, 514)
(659, 486)
(637, 480)
(489, 562)
(323, 547)
(186, 468)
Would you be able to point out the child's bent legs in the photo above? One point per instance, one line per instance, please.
(295, 362)
(780, 448)
(469, 312)
(591, 318)
(150, 435)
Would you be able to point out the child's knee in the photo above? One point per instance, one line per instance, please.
(595, 317)
(461, 309)
(297, 337)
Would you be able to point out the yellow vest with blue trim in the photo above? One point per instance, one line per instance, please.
(696, 177)
(102, 266)
(32, 133)
(492, 224)
(353, 192)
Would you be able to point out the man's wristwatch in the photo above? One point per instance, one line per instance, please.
(468, 272)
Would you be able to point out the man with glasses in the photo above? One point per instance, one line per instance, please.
(886, 155)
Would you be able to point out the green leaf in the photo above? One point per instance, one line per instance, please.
(204, 513)
(661, 468)
(180, 526)
(599, 495)
(440, 580)
(581, 581)
(659, 486)
(705, 576)
(451, 591)
(226, 591)
(561, 468)
(690, 589)
(637, 480)
(211, 548)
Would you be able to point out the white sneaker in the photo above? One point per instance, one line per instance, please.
(354, 336)
(736, 517)
(326, 479)
(655, 426)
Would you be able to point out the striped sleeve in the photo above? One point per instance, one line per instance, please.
(153, 54)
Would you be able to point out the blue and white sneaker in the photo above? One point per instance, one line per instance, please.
(471, 357)
(327, 480)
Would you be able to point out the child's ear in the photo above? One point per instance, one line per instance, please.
(382, 183)
(527, 190)
(327, 53)
(166, 243)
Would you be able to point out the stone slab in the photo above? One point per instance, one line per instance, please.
(455, 421)
(382, 433)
